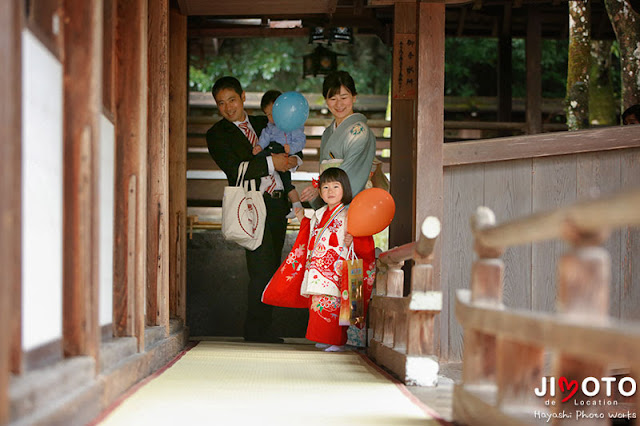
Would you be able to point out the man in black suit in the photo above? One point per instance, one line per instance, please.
(230, 142)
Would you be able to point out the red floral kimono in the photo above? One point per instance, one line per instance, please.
(318, 253)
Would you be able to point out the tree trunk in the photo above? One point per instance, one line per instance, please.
(602, 104)
(577, 98)
(626, 24)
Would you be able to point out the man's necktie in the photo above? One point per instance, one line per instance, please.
(251, 135)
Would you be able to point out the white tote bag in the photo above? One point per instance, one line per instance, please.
(243, 212)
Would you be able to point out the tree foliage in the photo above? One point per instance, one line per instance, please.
(267, 63)
(471, 67)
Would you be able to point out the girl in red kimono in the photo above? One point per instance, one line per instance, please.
(326, 250)
(311, 275)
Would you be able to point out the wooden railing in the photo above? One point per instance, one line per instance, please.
(504, 366)
(403, 327)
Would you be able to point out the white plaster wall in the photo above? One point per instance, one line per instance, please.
(106, 219)
(41, 194)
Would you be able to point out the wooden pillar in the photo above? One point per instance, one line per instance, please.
(10, 207)
(131, 170)
(428, 182)
(505, 70)
(403, 119)
(158, 157)
(82, 103)
(177, 164)
(534, 72)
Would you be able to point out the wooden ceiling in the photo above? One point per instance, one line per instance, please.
(464, 18)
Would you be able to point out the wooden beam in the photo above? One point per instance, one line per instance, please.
(461, 20)
(534, 74)
(43, 18)
(246, 31)
(108, 60)
(131, 170)
(542, 145)
(403, 110)
(589, 341)
(158, 160)
(256, 7)
(82, 103)
(177, 163)
(588, 218)
(10, 193)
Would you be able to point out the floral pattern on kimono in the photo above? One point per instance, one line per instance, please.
(326, 307)
(323, 272)
(293, 260)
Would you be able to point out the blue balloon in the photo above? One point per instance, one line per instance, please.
(290, 111)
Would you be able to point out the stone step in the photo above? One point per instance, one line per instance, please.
(114, 351)
(175, 325)
(45, 386)
(153, 335)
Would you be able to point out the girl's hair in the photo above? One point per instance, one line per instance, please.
(334, 174)
(336, 79)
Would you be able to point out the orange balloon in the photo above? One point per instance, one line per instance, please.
(370, 212)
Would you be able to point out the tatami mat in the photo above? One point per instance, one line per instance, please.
(220, 383)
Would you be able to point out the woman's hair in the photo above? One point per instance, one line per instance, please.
(334, 174)
(268, 98)
(336, 79)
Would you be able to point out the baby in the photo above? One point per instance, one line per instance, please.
(275, 141)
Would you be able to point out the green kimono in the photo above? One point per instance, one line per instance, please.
(353, 143)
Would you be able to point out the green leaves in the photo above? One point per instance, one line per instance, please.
(276, 63)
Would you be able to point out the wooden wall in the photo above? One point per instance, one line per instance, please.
(516, 188)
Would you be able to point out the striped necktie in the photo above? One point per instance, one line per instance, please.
(250, 134)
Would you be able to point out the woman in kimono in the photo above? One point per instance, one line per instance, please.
(347, 143)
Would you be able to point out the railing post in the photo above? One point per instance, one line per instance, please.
(394, 284)
(584, 276)
(420, 327)
(403, 327)
(395, 280)
(479, 358)
(381, 278)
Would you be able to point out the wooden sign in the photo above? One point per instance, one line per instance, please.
(405, 67)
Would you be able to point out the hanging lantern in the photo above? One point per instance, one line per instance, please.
(318, 35)
(319, 62)
(341, 35)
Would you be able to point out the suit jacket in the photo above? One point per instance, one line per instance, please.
(229, 147)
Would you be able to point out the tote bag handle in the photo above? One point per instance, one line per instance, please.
(240, 181)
